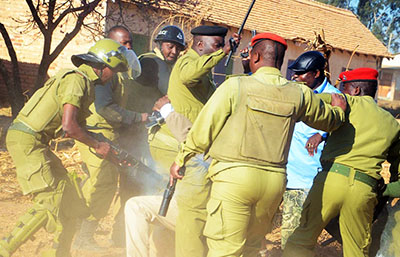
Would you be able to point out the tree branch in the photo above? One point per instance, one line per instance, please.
(36, 16)
(12, 54)
(50, 15)
(69, 36)
(68, 11)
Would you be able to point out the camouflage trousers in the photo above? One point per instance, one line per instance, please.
(293, 200)
(390, 239)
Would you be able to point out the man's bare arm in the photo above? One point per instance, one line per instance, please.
(72, 129)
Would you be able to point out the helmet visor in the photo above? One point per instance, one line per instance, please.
(134, 68)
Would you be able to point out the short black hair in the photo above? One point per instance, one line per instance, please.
(271, 50)
(116, 28)
(367, 87)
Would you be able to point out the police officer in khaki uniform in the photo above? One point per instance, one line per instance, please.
(108, 116)
(190, 87)
(61, 105)
(390, 238)
(351, 165)
(246, 128)
(149, 234)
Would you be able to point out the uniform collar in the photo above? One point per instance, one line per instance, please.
(269, 71)
(192, 52)
(158, 53)
(88, 70)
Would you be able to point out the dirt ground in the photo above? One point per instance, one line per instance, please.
(13, 204)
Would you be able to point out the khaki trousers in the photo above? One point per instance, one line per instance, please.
(242, 203)
(58, 202)
(395, 245)
(147, 233)
(331, 195)
(191, 195)
(101, 184)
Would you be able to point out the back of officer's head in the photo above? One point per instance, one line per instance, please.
(267, 50)
(364, 87)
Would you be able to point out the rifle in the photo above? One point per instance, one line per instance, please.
(232, 42)
(116, 155)
(168, 193)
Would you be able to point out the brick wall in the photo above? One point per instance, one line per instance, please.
(28, 73)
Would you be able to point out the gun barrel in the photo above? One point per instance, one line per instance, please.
(117, 155)
(168, 193)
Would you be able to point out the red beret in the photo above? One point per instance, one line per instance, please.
(268, 36)
(360, 74)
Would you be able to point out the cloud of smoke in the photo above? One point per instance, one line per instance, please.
(147, 178)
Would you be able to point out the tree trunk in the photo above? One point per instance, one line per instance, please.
(15, 96)
(41, 75)
(47, 56)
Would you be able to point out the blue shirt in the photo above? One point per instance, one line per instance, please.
(301, 167)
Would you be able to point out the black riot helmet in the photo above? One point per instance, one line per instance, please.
(308, 61)
(171, 33)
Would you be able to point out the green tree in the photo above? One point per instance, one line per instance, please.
(381, 17)
(338, 3)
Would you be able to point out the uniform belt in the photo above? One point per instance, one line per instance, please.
(24, 128)
(345, 171)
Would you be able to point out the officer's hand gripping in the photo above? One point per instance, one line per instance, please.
(340, 101)
(103, 149)
(169, 191)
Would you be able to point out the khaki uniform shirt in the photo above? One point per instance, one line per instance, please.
(43, 112)
(190, 84)
(179, 126)
(363, 142)
(224, 104)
